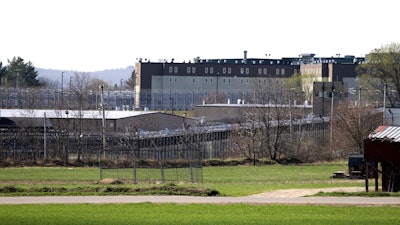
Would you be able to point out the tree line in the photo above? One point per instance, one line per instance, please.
(21, 74)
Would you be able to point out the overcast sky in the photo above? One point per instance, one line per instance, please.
(88, 35)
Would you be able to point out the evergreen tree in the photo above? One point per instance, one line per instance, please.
(131, 82)
(3, 71)
(21, 74)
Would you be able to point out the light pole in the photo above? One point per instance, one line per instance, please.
(67, 150)
(331, 128)
(70, 83)
(103, 121)
(62, 89)
(44, 136)
(384, 103)
(290, 111)
(216, 89)
(17, 80)
(391, 113)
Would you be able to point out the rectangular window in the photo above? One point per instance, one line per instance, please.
(224, 70)
(277, 71)
(193, 69)
(194, 80)
(241, 70)
(170, 69)
(265, 71)
(170, 79)
(229, 70)
(259, 71)
(206, 70)
(247, 71)
(188, 69)
(175, 69)
(211, 69)
(283, 71)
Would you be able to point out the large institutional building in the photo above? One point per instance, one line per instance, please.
(182, 85)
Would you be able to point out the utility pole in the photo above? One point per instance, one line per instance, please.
(384, 103)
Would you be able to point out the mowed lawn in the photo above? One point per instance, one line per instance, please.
(147, 213)
(229, 181)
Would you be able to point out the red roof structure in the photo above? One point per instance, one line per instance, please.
(383, 146)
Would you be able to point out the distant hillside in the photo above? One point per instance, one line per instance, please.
(112, 76)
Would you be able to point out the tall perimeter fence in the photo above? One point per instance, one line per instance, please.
(11, 98)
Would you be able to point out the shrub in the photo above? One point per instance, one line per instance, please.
(213, 162)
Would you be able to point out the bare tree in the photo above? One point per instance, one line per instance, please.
(351, 125)
(79, 93)
(265, 127)
(94, 83)
(29, 98)
(29, 124)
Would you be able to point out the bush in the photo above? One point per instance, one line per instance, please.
(287, 161)
(9, 189)
(267, 161)
(213, 162)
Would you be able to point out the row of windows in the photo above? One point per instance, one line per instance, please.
(210, 70)
(316, 71)
(174, 69)
(210, 80)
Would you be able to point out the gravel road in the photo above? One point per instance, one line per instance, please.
(200, 200)
(293, 196)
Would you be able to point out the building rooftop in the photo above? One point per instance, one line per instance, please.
(85, 114)
(308, 58)
(386, 133)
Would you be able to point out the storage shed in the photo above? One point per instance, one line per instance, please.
(383, 147)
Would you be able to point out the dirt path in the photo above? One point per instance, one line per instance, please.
(293, 193)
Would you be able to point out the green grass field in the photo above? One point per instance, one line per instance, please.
(146, 213)
(230, 181)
